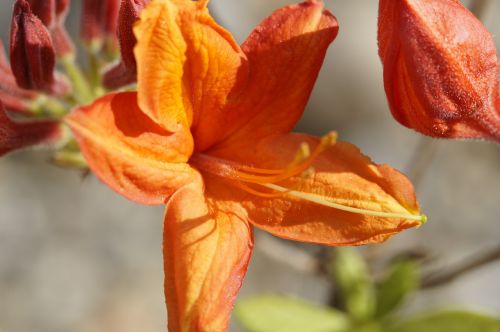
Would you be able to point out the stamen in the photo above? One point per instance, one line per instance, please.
(322, 201)
(255, 192)
(230, 170)
(246, 177)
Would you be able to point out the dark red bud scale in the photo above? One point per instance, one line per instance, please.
(18, 135)
(98, 19)
(31, 52)
(440, 68)
(125, 72)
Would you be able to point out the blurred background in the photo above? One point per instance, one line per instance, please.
(74, 256)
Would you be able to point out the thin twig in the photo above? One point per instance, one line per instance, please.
(438, 279)
(421, 159)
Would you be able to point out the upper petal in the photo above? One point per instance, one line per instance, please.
(285, 53)
(129, 152)
(340, 175)
(187, 65)
(207, 247)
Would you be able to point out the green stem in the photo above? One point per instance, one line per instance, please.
(83, 93)
(51, 105)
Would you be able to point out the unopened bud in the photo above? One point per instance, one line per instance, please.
(31, 52)
(53, 13)
(18, 135)
(125, 72)
(440, 68)
(45, 10)
(61, 7)
(4, 63)
(98, 20)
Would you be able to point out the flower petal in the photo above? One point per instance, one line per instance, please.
(207, 247)
(186, 65)
(18, 135)
(341, 175)
(129, 152)
(285, 53)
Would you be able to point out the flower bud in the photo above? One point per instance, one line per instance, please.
(52, 13)
(13, 97)
(440, 68)
(31, 52)
(18, 135)
(45, 10)
(98, 20)
(4, 63)
(125, 72)
(62, 7)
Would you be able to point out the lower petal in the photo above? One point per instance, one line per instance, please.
(207, 247)
(342, 175)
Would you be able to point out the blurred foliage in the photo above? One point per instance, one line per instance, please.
(367, 305)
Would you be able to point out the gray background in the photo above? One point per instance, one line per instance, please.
(74, 256)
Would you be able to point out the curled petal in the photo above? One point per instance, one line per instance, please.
(440, 68)
(340, 175)
(186, 67)
(285, 53)
(18, 135)
(129, 152)
(207, 246)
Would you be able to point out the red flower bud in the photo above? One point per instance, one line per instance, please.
(61, 7)
(45, 10)
(440, 68)
(14, 98)
(98, 19)
(52, 13)
(4, 63)
(125, 72)
(18, 135)
(31, 52)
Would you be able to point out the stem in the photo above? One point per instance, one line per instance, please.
(80, 84)
(421, 159)
(437, 279)
(54, 107)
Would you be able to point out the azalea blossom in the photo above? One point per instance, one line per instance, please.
(207, 133)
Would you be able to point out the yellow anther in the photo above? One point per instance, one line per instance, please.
(329, 139)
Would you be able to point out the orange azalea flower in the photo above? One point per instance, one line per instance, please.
(208, 133)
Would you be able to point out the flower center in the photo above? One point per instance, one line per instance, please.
(253, 179)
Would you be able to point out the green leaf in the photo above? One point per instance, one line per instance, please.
(272, 313)
(355, 283)
(402, 279)
(449, 321)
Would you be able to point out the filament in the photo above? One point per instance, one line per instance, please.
(249, 178)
